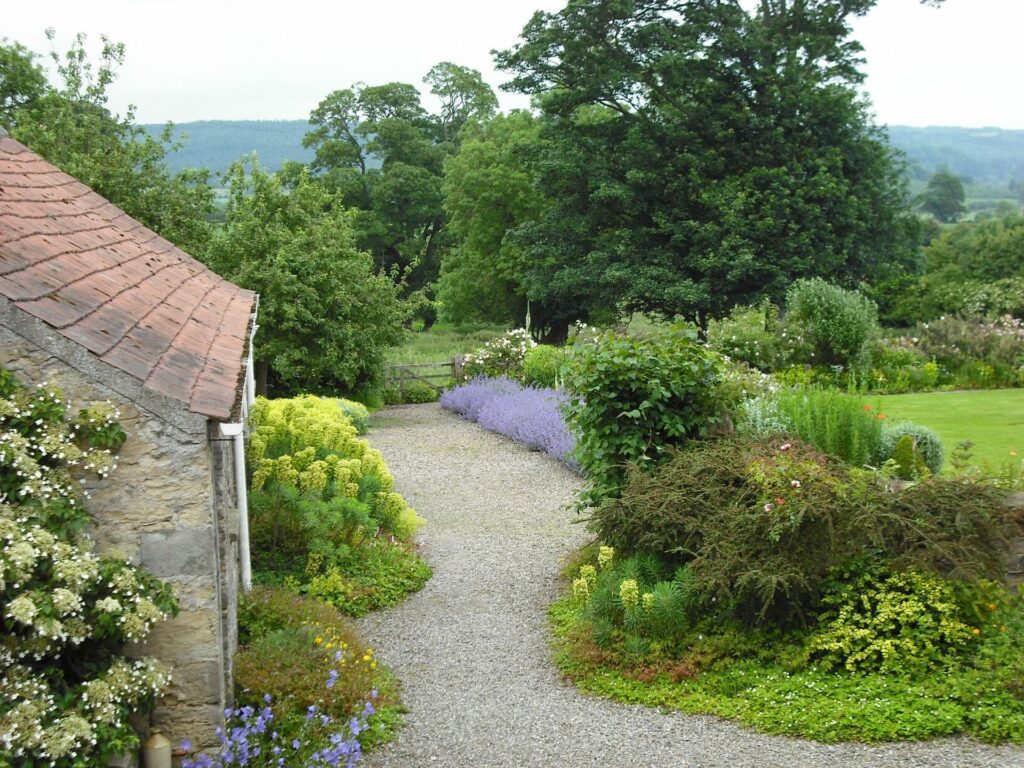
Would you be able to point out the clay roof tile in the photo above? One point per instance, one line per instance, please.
(99, 277)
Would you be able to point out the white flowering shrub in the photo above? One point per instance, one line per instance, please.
(502, 356)
(65, 691)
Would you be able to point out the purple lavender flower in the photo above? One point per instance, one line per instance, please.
(467, 399)
(528, 415)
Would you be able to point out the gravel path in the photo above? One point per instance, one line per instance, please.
(471, 647)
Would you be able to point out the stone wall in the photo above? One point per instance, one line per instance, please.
(158, 509)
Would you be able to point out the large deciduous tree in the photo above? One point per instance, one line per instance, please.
(699, 154)
(326, 316)
(944, 197)
(22, 80)
(489, 190)
(385, 154)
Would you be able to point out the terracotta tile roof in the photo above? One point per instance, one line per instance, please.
(97, 276)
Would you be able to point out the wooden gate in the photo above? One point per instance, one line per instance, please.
(436, 375)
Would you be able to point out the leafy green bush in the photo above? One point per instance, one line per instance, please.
(291, 646)
(748, 334)
(836, 423)
(925, 442)
(760, 525)
(633, 398)
(357, 413)
(324, 512)
(328, 316)
(542, 365)
(890, 622)
(954, 528)
(503, 356)
(419, 392)
(739, 382)
(391, 394)
(838, 323)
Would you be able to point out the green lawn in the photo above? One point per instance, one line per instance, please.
(441, 343)
(992, 419)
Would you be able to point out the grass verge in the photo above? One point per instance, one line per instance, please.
(441, 343)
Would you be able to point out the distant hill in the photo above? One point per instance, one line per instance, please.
(216, 144)
(982, 155)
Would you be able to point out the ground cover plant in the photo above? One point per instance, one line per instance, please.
(763, 581)
(67, 692)
(303, 652)
(324, 516)
(529, 415)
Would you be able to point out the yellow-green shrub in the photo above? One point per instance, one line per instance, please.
(325, 516)
(357, 413)
(897, 622)
(308, 442)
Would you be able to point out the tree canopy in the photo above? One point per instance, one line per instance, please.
(326, 316)
(944, 197)
(385, 154)
(699, 155)
(489, 189)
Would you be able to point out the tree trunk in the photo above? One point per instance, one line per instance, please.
(556, 334)
(262, 368)
(519, 312)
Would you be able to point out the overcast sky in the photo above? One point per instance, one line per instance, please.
(234, 59)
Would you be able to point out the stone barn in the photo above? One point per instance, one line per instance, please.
(97, 304)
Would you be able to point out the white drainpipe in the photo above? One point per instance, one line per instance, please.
(237, 431)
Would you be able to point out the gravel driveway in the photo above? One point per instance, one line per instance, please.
(471, 647)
